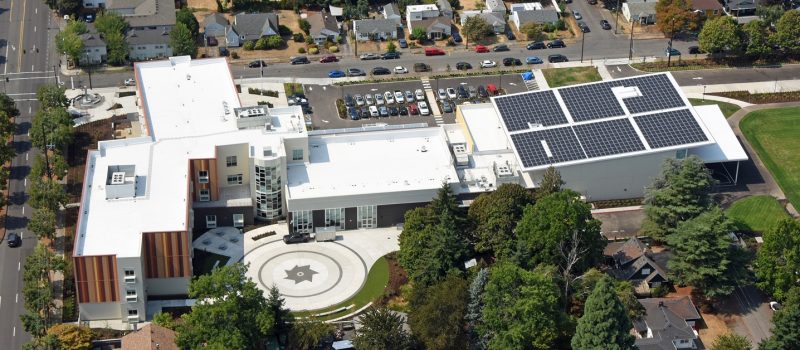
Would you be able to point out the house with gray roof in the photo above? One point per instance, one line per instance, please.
(740, 7)
(632, 261)
(147, 44)
(141, 14)
(94, 49)
(214, 25)
(390, 11)
(668, 324)
(323, 27)
(375, 29)
(435, 27)
(495, 19)
(642, 11)
(445, 9)
(543, 16)
(496, 6)
(251, 27)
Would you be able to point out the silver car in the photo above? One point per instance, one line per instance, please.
(419, 95)
(389, 97)
(378, 99)
(359, 100)
(369, 99)
(409, 96)
(398, 96)
(442, 95)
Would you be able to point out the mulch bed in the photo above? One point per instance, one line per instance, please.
(761, 98)
(397, 278)
(86, 137)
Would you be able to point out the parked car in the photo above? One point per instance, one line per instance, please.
(536, 45)
(423, 108)
(773, 305)
(257, 64)
(328, 59)
(672, 52)
(379, 99)
(577, 15)
(403, 110)
(223, 51)
(359, 100)
(393, 111)
(381, 71)
(482, 92)
(556, 44)
(584, 28)
(510, 34)
(400, 70)
(348, 100)
(481, 49)
(433, 51)
(295, 238)
(557, 58)
(694, 50)
(364, 113)
(533, 60)
(130, 82)
(419, 95)
(355, 72)
(463, 66)
(403, 43)
(14, 240)
(369, 56)
(488, 64)
(299, 60)
(370, 100)
(398, 96)
(409, 96)
(335, 74)
(456, 37)
(384, 111)
(441, 95)
(462, 92)
(412, 109)
(353, 113)
(373, 111)
(451, 93)
(510, 61)
(388, 96)
(89, 18)
(605, 25)
(500, 47)
(390, 56)
(473, 92)
(422, 67)
(446, 107)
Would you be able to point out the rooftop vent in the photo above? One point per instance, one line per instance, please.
(117, 178)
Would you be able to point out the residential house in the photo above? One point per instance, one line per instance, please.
(251, 27)
(150, 337)
(375, 29)
(445, 9)
(429, 18)
(215, 25)
(94, 49)
(496, 6)
(147, 44)
(630, 261)
(140, 14)
(415, 13)
(526, 6)
(709, 8)
(390, 11)
(668, 323)
(740, 7)
(642, 11)
(520, 18)
(323, 27)
(496, 20)
(337, 12)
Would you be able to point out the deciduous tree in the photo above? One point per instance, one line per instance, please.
(45, 193)
(770, 14)
(786, 332)
(720, 34)
(109, 22)
(308, 333)
(494, 215)
(43, 223)
(605, 323)
(787, 31)
(533, 31)
(68, 40)
(731, 341)
(51, 126)
(72, 337)
(381, 329)
(117, 48)
(52, 96)
(419, 34)
(181, 41)
(164, 319)
(476, 28)
(756, 39)
(675, 16)
(778, 259)
(437, 314)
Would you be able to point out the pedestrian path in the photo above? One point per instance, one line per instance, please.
(531, 85)
(429, 93)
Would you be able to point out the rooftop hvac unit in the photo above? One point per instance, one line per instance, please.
(118, 178)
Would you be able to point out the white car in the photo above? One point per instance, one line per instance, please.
(488, 64)
(774, 305)
(451, 93)
(400, 70)
(373, 111)
(442, 95)
(577, 15)
(423, 108)
(409, 96)
(369, 99)
(389, 97)
(379, 99)
(419, 95)
(359, 100)
(130, 82)
(398, 96)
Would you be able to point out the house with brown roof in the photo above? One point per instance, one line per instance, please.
(150, 337)
(668, 323)
(630, 262)
(709, 8)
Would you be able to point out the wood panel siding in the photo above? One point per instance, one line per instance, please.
(209, 165)
(96, 279)
(166, 254)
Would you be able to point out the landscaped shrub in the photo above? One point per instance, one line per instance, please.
(340, 107)
(660, 291)
(265, 103)
(275, 42)
(263, 235)
(301, 50)
(234, 55)
(313, 51)
(333, 49)
(270, 93)
(284, 30)
(261, 44)
(248, 45)
(298, 37)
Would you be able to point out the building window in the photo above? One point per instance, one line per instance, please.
(211, 221)
(230, 161)
(366, 216)
(133, 315)
(334, 218)
(205, 195)
(238, 220)
(297, 154)
(645, 271)
(130, 295)
(302, 221)
(235, 179)
(202, 176)
(130, 276)
(680, 154)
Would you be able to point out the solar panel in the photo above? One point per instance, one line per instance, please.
(560, 145)
(608, 137)
(593, 101)
(672, 128)
(520, 111)
(658, 93)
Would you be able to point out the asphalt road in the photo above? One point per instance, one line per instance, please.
(24, 25)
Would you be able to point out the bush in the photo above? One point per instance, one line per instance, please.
(340, 107)
(333, 49)
(309, 40)
(253, 91)
(304, 26)
(261, 44)
(561, 25)
(313, 50)
(660, 291)
(264, 103)
(265, 234)
(270, 93)
(301, 50)
(451, 42)
(549, 27)
(284, 30)
(298, 38)
(275, 42)
(248, 45)
(234, 55)
(340, 39)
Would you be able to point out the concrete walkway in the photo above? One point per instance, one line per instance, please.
(717, 98)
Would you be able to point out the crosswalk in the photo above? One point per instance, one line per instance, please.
(531, 84)
(437, 115)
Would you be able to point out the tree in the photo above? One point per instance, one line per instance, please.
(778, 259)
(69, 43)
(551, 183)
(307, 333)
(703, 255)
(720, 34)
(391, 47)
(52, 96)
(494, 215)
(787, 31)
(51, 127)
(533, 31)
(770, 14)
(47, 194)
(47, 342)
(68, 6)
(181, 41)
(625, 292)
(556, 222)
(72, 337)
(362, 9)
(231, 312)
(220, 8)
(37, 292)
(681, 192)
(280, 314)
(381, 329)
(117, 49)
(731, 341)
(419, 34)
(305, 26)
(521, 309)
(437, 314)
(605, 322)
(431, 253)
(186, 17)
(786, 332)
(57, 167)
(476, 28)
(9, 108)
(756, 39)
(109, 22)
(43, 223)
(275, 42)
(164, 319)
(675, 16)
(474, 314)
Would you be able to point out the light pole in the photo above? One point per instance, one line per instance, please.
(616, 22)
(630, 48)
(583, 39)
(704, 93)
(671, 36)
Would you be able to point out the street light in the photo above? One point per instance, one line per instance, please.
(583, 39)
(630, 48)
(616, 22)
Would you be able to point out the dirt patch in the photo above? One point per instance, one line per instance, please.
(86, 137)
(648, 31)
(290, 20)
(397, 289)
(471, 4)
(208, 5)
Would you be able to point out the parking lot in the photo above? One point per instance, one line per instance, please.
(322, 99)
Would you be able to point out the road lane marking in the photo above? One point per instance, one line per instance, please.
(19, 263)
(16, 298)
(23, 210)
(34, 29)
(14, 332)
(26, 179)
(36, 11)
(32, 67)
(26, 158)
(5, 66)
(30, 108)
(22, 34)
(11, 12)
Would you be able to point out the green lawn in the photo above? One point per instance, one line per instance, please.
(758, 213)
(775, 136)
(727, 108)
(293, 88)
(376, 282)
(203, 261)
(557, 77)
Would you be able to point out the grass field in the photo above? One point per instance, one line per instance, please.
(758, 213)
(727, 108)
(775, 136)
(557, 77)
(376, 282)
(203, 262)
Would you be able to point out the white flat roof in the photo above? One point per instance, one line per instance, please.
(485, 127)
(423, 7)
(372, 162)
(727, 147)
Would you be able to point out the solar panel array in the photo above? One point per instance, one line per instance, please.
(519, 111)
(671, 128)
(589, 102)
(608, 137)
(658, 93)
(562, 143)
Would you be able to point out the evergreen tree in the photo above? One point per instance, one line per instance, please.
(281, 315)
(186, 17)
(605, 323)
(731, 341)
(778, 259)
(551, 183)
(786, 333)
(474, 314)
(381, 329)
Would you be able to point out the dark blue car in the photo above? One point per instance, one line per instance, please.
(353, 113)
(456, 37)
(335, 74)
(533, 60)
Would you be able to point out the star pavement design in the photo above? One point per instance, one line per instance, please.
(300, 273)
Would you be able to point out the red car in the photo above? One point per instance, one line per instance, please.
(481, 49)
(329, 59)
(432, 51)
(412, 109)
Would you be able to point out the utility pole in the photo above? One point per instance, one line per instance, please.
(671, 36)
(630, 49)
(616, 22)
(583, 39)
